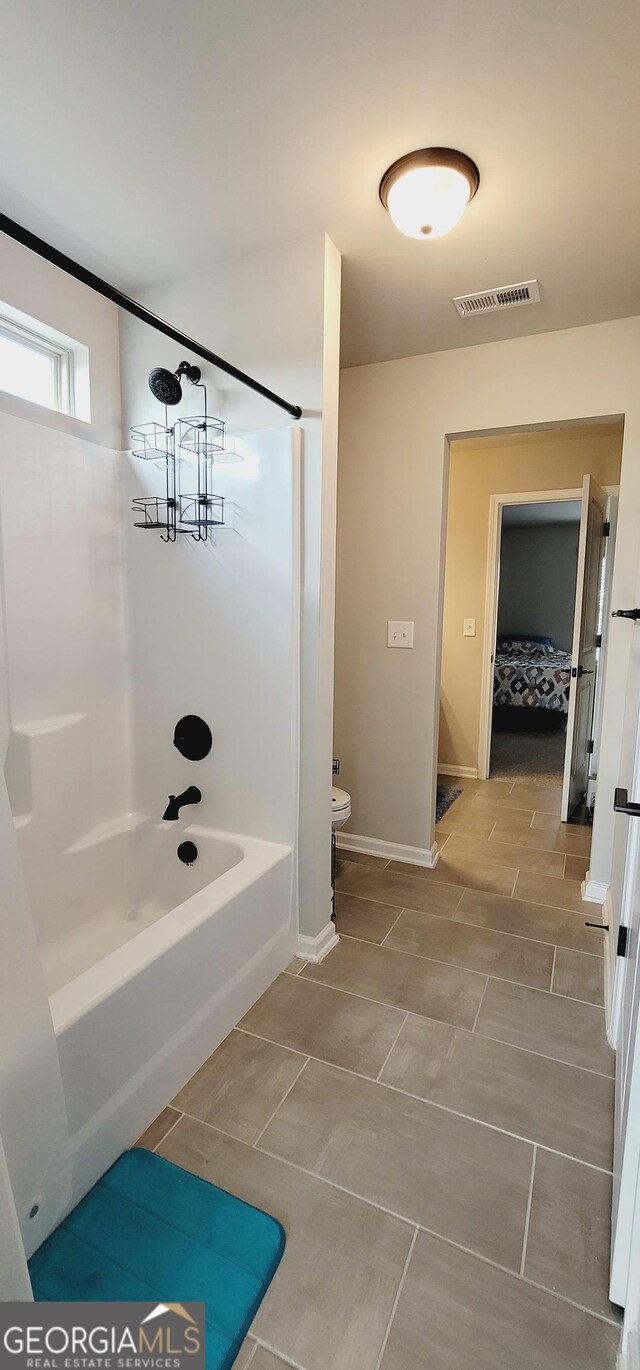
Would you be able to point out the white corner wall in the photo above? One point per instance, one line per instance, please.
(61, 620)
(275, 314)
(395, 421)
(52, 297)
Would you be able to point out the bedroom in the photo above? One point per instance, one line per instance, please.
(532, 659)
(514, 627)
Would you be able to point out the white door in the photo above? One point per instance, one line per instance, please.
(583, 649)
(627, 1121)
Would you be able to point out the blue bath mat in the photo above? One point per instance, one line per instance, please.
(149, 1231)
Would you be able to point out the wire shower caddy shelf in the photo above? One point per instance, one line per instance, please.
(192, 512)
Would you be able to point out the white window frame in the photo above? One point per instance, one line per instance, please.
(61, 356)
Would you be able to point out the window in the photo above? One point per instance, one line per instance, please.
(41, 365)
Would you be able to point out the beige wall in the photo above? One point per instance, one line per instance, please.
(478, 469)
(393, 470)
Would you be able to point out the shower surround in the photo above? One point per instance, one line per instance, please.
(110, 637)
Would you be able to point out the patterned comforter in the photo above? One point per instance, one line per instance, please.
(531, 674)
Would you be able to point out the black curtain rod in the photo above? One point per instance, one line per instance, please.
(51, 254)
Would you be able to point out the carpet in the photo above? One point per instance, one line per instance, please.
(445, 795)
(149, 1231)
(518, 756)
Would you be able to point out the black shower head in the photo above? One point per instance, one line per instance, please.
(165, 385)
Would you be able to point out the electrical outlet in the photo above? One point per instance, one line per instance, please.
(469, 627)
(399, 634)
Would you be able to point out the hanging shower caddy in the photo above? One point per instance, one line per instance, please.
(156, 442)
(201, 436)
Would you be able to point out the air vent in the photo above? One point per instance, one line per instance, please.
(503, 297)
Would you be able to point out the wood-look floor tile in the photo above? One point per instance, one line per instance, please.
(471, 785)
(546, 835)
(407, 982)
(238, 1088)
(467, 871)
(158, 1129)
(569, 1228)
(507, 854)
(471, 825)
(578, 976)
(295, 966)
(559, 894)
(324, 1022)
(573, 838)
(459, 1313)
(503, 813)
(544, 1101)
(475, 948)
(404, 891)
(330, 1301)
(364, 918)
(539, 921)
(449, 1174)
(540, 798)
(361, 858)
(265, 1360)
(244, 1355)
(561, 1028)
(575, 868)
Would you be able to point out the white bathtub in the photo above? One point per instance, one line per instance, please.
(151, 965)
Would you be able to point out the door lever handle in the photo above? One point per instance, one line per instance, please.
(621, 804)
(626, 613)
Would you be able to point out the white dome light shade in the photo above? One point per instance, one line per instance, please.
(427, 192)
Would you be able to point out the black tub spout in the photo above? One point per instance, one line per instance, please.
(190, 796)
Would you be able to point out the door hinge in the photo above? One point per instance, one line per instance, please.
(623, 938)
(598, 639)
(590, 746)
(606, 528)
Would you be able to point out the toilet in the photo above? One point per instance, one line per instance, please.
(340, 807)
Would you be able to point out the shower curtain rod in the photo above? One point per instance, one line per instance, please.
(57, 258)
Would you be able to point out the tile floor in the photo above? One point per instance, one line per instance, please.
(429, 1112)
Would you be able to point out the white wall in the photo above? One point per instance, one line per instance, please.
(214, 631)
(396, 418)
(275, 314)
(538, 581)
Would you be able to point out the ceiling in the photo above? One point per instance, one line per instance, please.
(150, 139)
(541, 515)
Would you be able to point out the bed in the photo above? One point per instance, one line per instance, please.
(529, 672)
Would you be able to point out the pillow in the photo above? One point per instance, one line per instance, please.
(525, 646)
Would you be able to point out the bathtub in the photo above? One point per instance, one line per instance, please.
(151, 965)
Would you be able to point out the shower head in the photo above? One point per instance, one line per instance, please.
(165, 385)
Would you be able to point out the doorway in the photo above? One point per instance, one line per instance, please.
(536, 590)
(527, 575)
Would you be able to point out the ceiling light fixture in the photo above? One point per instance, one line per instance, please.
(426, 192)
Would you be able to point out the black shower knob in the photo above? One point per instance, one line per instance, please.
(192, 737)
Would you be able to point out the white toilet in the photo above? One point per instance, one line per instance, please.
(340, 807)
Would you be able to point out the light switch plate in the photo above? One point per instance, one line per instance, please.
(399, 634)
(469, 628)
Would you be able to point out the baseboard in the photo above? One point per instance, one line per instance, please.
(593, 890)
(466, 772)
(316, 948)
(389, 851)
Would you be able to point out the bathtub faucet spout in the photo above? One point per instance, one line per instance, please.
(190, 796)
